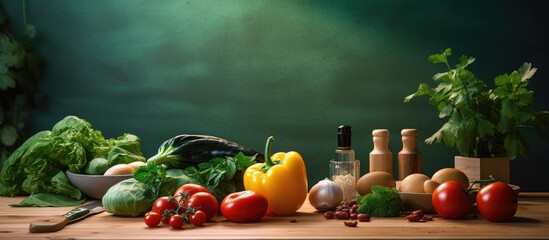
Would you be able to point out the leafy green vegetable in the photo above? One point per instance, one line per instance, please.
(58, 184)
(127, 198)
(133, 197)
(382, 202)
(126, 149)
(13, 174)
(38, 165)
(482, 122)
(152, 176)
(48, 200)
(97, 166)
(221, 176)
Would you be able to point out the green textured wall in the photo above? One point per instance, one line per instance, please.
(247, 69)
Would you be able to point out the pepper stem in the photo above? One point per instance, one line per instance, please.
(268, 161)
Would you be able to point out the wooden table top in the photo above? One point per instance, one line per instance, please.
(530, 222)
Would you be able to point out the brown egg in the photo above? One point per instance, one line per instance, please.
(413, 183)
(365, 183)
(119, 169)
(429, 186)
(447, 174)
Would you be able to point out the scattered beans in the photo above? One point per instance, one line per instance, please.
(418, 216)
(347, 210)
(350, 223)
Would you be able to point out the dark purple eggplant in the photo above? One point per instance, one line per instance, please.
(190, 150)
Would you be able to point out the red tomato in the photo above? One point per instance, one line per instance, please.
(176, 221)
(204, 202)
(162, 204)
(450, 201)
(243, 207)
(191, 188)
(497, 202)
(152, 219)
(198, 218)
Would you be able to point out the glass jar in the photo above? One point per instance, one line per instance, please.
(345, 174)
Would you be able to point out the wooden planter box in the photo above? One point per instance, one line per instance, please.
(482, 168)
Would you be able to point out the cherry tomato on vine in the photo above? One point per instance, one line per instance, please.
(152, 219)
(243, 207)
(497, 202)
(450, 201)
(204, 202)
(163, 203)
(191, 188)
(198, 218)
(176, 221)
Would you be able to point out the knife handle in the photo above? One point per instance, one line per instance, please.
(49, 225)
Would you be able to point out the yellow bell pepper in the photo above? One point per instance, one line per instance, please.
(282, 179)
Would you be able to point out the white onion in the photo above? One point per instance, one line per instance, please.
(325, 195)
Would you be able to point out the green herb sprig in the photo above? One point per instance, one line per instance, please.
(221, 176)
(382, 202)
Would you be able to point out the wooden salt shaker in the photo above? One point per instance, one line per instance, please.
(409, 158)
(381, 159)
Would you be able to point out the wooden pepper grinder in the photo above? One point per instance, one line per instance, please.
(381, 159)
(409, 158)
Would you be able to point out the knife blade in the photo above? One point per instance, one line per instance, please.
(57, 223)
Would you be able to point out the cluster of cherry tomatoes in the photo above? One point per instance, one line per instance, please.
(191, 203)
(194, 204)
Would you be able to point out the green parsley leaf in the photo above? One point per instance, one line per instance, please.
(218, 174)
(152, 176)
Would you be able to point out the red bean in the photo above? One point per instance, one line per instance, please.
(350, 223)
(329, 215)
(363, 217)
(342, 215)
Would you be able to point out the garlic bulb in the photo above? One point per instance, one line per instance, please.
(325, 195)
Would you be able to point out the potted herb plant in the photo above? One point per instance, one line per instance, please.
(20, 69)
(483, 124)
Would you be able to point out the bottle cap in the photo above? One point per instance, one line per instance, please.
(380, 133)
(409, 132)
(344, 137)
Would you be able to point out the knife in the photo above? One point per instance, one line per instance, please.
(57, 223)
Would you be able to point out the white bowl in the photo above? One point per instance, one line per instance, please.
(94, 186)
